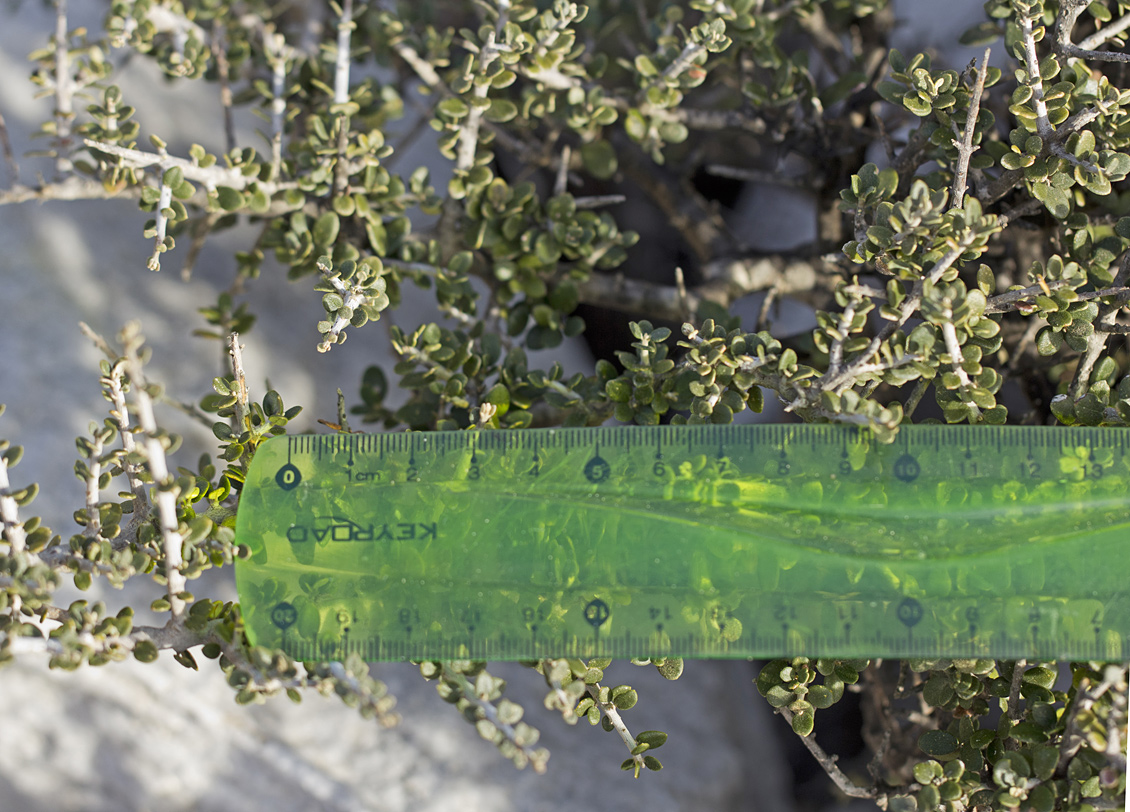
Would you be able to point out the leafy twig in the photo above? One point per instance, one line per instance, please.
(469, 131)
(120, 413)
(1104, 322)
(537, 757)
(612, 713)
(210, 177)
(1032, 69)
(828, 762)
(834, 380)
(164, 485)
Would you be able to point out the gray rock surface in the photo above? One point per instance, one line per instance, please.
(133, 737)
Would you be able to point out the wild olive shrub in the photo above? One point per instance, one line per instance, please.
(971, 266)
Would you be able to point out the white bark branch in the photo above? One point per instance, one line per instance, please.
(64, 93)
(165, 494)
(210, 177)
(1032, 68)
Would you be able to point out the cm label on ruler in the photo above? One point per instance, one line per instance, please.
(720, 541)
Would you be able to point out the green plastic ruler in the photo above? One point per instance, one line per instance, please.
(704, 541)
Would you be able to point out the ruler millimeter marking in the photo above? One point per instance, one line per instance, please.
(691, 541)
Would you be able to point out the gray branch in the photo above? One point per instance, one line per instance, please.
(1069, 11)
(838, 776)
(210, 177)
(965, 148)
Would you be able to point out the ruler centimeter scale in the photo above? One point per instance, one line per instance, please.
(691, 541)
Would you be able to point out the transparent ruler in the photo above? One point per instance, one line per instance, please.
(705, 541)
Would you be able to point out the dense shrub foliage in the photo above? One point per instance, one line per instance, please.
(971, 266)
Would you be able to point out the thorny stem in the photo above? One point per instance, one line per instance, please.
(1011, 178)
(915, 398)
(836, 356)
(682, 63)
(1086, 695)
(598, 201)
(965, 147)
(73, 188)
(6, 148)
(560, 184)
(341, 65)
(1103, 35)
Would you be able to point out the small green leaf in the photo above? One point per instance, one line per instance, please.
(599, 159)
(937, 743)
(624, 698)
(326, 229)
(145, 651)
(173, 177)
(981, 34)
(501, 110)
(803, 723)
(653, 738)
(671, 668)
(453, 107)
(938, 690)
(1048, 341)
